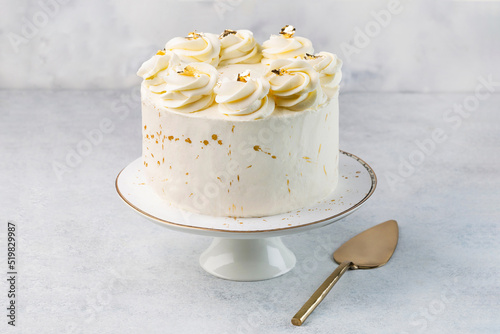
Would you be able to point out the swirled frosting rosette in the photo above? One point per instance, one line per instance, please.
(188, 89)
(196, 47)
(294, 84)
(239, 47)
(208, 71)
(245, 97)
(156, 68)
(285, 45)
(329, 66)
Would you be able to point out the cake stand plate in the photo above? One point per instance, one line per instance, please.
(250, 249)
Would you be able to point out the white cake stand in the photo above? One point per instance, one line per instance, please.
(250, 249)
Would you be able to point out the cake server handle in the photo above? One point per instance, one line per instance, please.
(320, 294)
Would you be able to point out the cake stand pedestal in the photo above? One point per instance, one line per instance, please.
(250, 249)
(247, 259)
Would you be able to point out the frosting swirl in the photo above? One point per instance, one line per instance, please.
(154, 69)
(245, 98)
(284, 73)
(294, 84)
(239, 47)
(329, 67)
(189, 89)
(196, 47)
(285, 46)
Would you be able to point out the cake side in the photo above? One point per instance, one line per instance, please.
(247, 169)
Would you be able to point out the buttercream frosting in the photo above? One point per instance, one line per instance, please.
(155, 69)
(294, 84)
(239, 47)
(188, 89)
(329, 66)
(245, 97)
(297, 79)
(285, 45)
(196, 47)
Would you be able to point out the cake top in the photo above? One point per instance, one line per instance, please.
(239, 77)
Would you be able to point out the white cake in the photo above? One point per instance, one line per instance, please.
(231, 128)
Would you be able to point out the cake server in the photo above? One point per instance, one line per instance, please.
(370, 249)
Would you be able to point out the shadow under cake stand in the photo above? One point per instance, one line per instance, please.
(250, 249)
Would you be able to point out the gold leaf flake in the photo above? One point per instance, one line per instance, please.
(287, 31)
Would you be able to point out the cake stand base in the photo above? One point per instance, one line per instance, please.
(247, 259)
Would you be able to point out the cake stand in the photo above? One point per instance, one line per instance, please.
(250, 249)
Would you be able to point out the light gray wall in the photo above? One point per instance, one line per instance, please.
(426, 46)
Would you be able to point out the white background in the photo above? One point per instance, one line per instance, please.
(427, 46)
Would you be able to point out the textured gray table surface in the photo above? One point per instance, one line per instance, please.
(89, 264)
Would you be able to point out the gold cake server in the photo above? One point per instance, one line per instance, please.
(370, 249)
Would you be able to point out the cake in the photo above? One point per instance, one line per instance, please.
(234, 128)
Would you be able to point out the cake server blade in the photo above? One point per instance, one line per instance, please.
(370, 249)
